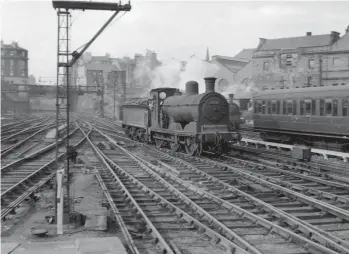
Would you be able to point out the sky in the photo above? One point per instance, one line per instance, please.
(173, 29)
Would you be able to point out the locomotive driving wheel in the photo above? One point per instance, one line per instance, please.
(174, 147)
(192, 148)
(159, 143)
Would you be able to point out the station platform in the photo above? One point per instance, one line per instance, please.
(106, 245)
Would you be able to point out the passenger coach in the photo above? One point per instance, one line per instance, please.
(316, 116)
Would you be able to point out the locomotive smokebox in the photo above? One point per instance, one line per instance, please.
(192, 87)
(210, 82)
(231, 97)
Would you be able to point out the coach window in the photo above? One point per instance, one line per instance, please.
(307, 107)
(294, 107)
(269, 107)
(322, 107)
(345, 108)
(284, 107)
(335, 107)
(302, 104)
(289, 107)
(328, 107)
(313, 107)
(278, 107)
(273, 106)
(263, 107)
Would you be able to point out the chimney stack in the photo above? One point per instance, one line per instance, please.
(210, 82)
(231, 97)
(192, 87)
(308, 33)
(347, 30)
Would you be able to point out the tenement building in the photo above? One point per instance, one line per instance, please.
(310, 60)
(14, 63)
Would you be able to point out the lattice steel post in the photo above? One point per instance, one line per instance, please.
(62, 91)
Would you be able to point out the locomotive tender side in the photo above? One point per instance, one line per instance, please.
(194, 121)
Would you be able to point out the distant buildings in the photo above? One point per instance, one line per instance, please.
(14, 63)
(137, 70)
(233, 70)
(310, 60)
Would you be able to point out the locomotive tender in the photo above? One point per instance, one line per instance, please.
(192, 121)
(315, 116)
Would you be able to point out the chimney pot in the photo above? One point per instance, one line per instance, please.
(308, 33)
(192, 87)
(210, 83)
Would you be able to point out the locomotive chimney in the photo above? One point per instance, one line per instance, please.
(210, 81)
(231, 97)
(192, 87)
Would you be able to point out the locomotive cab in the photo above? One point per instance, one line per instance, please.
(158, 96)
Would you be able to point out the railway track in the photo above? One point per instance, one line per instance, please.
(265, 196)
(10, 129)
(316, 165)
(26, 143)
(21, 178)
(280, 245)
(149, 222)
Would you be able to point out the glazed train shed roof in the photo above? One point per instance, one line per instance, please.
(326, 91)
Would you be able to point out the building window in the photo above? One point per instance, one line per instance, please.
(337, 62)
(12, 53)
(2, 52)
(266, 66)
(289, 60)
(311, 63)
(12, 68)
(22, 68)
(23, 53)
(2, 63)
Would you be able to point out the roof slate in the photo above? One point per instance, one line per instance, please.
(298, 42)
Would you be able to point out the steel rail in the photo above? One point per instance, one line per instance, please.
(264, 180)
(297, 187)
(182, 214)
(37, 153)
(8, 149)
(127, 195)
(154, 170)
(32, 174)
(216, 238)
(28, 129)
(16, 129)
(305, 228)
(204, 214)
(34, 188)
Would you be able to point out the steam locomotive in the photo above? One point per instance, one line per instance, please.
(192, 121)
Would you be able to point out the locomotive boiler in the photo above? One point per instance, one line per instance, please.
(192, 121)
